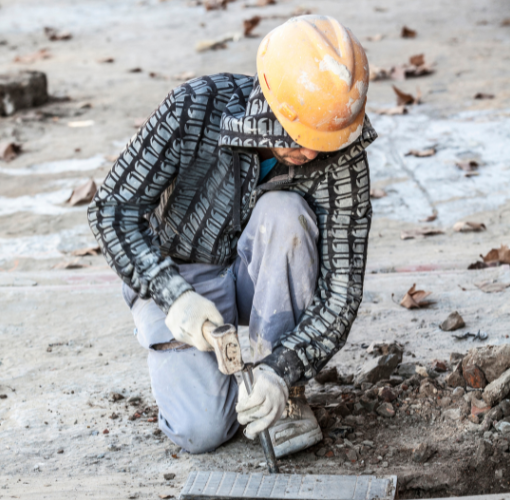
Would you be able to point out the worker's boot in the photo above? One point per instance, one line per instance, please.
(298, 428)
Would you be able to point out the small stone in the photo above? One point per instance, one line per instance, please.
(106, 431)
(384, 464)
(505, 407)
(60, 450)
(329, 454)
(474, 376)
(452, 414)
(487, 435)
(387, 394)
(386, 410)
(115, 396)
(479, 410)
(444, 402)
(346, 379)
(325, 376)
(24, 90)
(340, 432)
(407, 370)
(368, 443)
(474, 419)
(503, 445)
(134, 399)
(422, 453)
(458, 393)
(342, 410)
(491, 360)
(498, 389)
(456, 357)
(94, 433)
(365, 386)
(456, 379)
(352, 455)
(169, 476)
(483, 451)
(498, 474)
(395, 380)
(100, 456)
(378, 368)
(503, 427)
(439, 366)
(453, 322)
(368, 404)
(321, 452)
(3, 396)
(428, 390)
(422, 371)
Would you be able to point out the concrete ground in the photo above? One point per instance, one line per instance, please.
(65, 334)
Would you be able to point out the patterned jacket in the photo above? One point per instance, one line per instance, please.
(186, 184)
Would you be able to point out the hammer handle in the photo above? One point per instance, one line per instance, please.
(266, 442)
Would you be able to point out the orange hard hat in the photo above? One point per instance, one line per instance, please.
(314, 75)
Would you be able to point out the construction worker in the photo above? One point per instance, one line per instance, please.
(245, 200)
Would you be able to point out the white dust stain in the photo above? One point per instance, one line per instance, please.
(307, 83)
(57, 167)
(42, 204)
(328, 63)
(49, 246)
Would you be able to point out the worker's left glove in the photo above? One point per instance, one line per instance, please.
(266, 403)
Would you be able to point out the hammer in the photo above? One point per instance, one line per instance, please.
(225, 344)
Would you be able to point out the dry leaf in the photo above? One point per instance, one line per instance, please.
(490, 287)
(216, 4)
(301, 11)
(106, 60)
(53, 35)
(377, 193)
(263, 3)
(184, 76)
(74, 264)
(397, 72)
(410, 234)
(482, 95)
(135, 70)
(398, 110)
(408, 33)
(375, 38)
(404, 98)
(83, 194)
(82, 252)
(414, 299)
(500, 255)
(430, 218)
(250, 24)
(377, 73)
(505, 22)
(218, 43)
(165, 496)
(34, 57)
(417, 60)
(421, 153)
(468, 226)
(467, 165)
(9, 150)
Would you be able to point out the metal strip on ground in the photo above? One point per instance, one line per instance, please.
(230, 485)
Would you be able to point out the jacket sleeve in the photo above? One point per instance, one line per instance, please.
(118, 214)
(342, 205)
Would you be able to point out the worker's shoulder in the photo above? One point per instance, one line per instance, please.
(213, 85)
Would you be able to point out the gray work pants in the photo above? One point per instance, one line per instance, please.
(268, 287)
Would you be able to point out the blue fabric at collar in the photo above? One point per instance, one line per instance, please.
(266, 166)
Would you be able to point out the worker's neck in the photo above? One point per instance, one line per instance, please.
(265, 153)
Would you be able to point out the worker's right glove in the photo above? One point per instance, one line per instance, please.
(186, 317)
(264, 406)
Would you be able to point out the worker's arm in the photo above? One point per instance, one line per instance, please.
(131, 191)
(343, 209)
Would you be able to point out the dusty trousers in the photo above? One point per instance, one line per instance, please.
(270, 284)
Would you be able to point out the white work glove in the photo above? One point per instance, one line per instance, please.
(266, 403)
(186, 317)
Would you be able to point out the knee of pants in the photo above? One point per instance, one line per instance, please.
(202, 433)
(285, 217)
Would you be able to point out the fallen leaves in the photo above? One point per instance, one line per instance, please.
(216, 4)
(417, 60)
(491, 287)
(54, 36)
(184, 76)
(82, 252)
(165, 496)
(250, 24)
(468, 226)
(83, 194)
(483, 95)
(398, 110)
(106, 60)
(217, 43)
(375, 38)
(34, 57)
(430, 218)
(420, 233)
(9, 150)
(495, 257)
(402, 98)
(377, 193)
(135, 70)
(421, 153)
(408, 33)
(415, 299)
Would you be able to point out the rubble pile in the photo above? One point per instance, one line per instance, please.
(396, 415)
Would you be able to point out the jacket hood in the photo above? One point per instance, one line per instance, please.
(249, 122)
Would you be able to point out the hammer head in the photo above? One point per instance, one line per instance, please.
(224, 340)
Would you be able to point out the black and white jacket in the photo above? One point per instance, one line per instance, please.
(186, 184)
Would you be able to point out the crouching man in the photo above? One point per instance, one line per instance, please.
(245, 200)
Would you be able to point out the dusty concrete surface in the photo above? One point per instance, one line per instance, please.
(65, 335)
